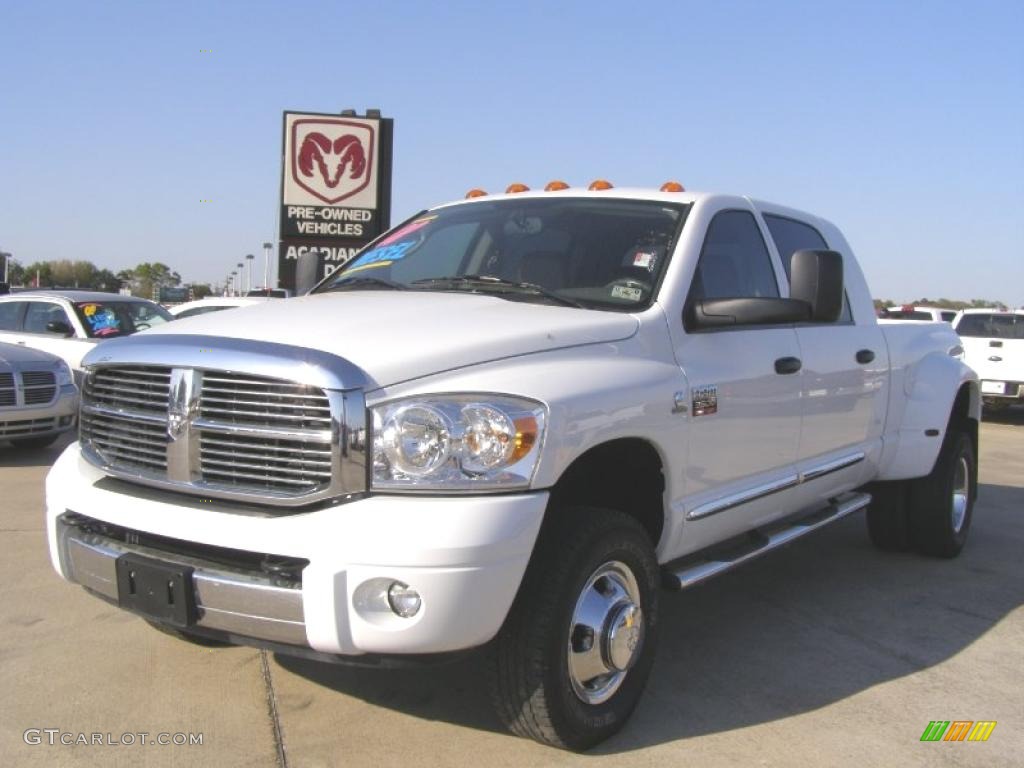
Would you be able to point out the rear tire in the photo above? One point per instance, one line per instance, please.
(941, 505)
(887, 516)
(555, 680)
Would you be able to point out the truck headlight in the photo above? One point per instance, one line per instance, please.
(64, 376)
(456, 443)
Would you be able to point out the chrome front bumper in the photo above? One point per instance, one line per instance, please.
(235, 601)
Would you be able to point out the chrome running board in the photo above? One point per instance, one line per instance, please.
(700, 566)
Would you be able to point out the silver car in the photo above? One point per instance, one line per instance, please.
(38, 397)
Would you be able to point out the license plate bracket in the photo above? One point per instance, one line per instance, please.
(156, 590)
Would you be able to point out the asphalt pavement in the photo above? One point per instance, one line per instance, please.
(825, 653)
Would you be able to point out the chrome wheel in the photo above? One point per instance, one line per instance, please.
(606, 633)
(961, 493)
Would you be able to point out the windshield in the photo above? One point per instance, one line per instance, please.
(106, 319)
(598, 254)
(992, 326)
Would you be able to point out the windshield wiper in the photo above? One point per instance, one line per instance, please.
(485, 282)
(358, 283)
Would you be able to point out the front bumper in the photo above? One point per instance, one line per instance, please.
(465, 556)
(42, 420)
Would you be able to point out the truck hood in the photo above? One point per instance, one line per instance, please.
(395, 336)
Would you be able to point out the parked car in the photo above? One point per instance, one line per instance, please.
(909, 312)
(509, 424)
(993, 343)
(212, 304)
(70, 323)
(38, 398)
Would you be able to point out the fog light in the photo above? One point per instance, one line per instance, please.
(404, 600)
(65, 420)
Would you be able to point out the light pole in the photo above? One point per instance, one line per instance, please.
(7, 269)
(234, 283)
(241, 278)
(249, 261)
(266, 266)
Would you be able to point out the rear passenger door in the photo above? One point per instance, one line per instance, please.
(844, 378)
(744, 425)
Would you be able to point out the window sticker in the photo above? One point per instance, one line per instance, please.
(103, 321)
(643, 257)
(627, 292)
(390, 249)
(408, 229)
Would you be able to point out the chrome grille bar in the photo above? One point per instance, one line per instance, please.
(222, 433)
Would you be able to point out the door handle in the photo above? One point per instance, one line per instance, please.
(865, 356)
(786, 365)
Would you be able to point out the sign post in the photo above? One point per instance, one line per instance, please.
(335, 188)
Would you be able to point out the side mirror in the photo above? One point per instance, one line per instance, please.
(723, 313)
(59, 327)
(816, 277)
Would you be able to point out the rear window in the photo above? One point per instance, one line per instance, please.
(991, 326)
(899, 314)
(107, 319)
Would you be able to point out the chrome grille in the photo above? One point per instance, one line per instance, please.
(26, 427)
(284, 465)
(7, 393)
(264, 434)
(40, 386)
(142, 388)
(235, 399)
(125, 441)
(221, 433)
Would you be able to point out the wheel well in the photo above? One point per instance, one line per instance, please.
(960, 415)
(625, 475)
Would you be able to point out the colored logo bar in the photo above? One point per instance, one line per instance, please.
(958, 730)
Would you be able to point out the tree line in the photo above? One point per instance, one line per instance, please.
(142, 280)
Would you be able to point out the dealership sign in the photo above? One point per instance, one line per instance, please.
(335, 188)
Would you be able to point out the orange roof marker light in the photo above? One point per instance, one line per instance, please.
(672, 186)
(475, 192)
(555, 186)
(599, 184)
(516, 187)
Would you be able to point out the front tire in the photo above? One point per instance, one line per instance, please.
(571, 661)
(942, 504)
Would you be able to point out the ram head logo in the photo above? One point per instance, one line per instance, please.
(331, 159)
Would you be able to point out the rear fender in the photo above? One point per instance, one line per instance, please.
(930, 388)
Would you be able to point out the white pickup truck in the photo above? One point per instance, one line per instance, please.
(994, 347)
(508, 423)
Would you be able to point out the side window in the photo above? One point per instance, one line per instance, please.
(791, 236)
(40, 313)
(734, 262)
(10, 314)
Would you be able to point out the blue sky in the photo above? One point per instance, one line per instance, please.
(901, 122)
